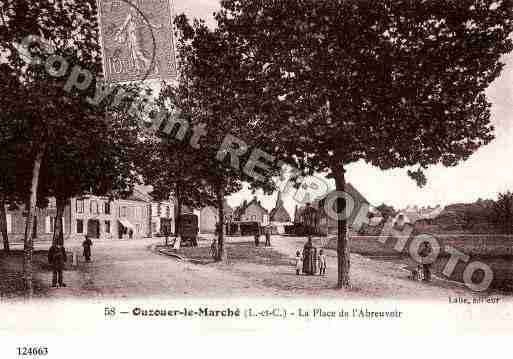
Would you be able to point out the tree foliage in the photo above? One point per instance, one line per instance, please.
(392, 83)
(210, 95)
(503, 212)
(70, 144)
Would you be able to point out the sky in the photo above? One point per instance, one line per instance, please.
(488, 172)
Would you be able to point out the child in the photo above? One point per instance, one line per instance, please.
(322, 263)
(299, 262)
(213, 249)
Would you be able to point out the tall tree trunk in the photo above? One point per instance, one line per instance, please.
(28, 248)
(343, 248)
(221, 252)
(58, 231)
(3, 224)
(178, 210)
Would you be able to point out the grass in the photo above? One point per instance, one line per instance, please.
(489, 246)
(238, 252)
(11, 272)
(494, 250)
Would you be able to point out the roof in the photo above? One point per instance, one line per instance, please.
(138, 195)
(240, 210)
(414, 214)
(279, 213)
(350, 190)
(227, 210)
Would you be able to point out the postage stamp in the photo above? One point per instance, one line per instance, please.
(137, 39)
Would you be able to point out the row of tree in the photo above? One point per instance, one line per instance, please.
(316, 85)
(54, 141)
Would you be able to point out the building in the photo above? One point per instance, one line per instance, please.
(160, 213)
(94, 216)
(209, 217)
(315, 217)
(252, 212)
(248, 218)
(417, 215)
(279, 216)
(97, 216)
(44, 222)
(103, 218)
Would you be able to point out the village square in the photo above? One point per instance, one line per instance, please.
(339, 149)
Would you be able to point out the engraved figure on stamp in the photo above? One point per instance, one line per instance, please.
(130, 35)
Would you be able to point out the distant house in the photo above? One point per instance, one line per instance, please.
(279, 216)
(248, 218)
(316, 217)
(418, 216)
(252, 212)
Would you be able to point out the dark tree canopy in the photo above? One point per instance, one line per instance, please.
(393, 83)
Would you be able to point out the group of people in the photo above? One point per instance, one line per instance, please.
(267, 233)
(57, 259)
(309, 261)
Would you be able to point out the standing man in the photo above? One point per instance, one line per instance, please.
(322, 263)
(57, 258)
(426, 267)
(267, 236)
(257, 238)
(87, 248)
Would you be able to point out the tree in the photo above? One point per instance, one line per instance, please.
(8, 149)
(209, 89)
(503, 212)
(99, 156)
(33, 33)
(396, 84)
(386, 212)
(171, 164)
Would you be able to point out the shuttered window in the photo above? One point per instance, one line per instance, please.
(49, 224)
(9, 223)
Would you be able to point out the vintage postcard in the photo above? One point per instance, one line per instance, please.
(302, 177)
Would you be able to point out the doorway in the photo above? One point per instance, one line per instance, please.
(93, 228)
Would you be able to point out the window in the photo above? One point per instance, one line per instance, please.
(138, 228)
(168, 212)
(80, 226)
(153, 227)
(107, 207)
(9, 223)
(94, 207)
(123, 211)
(253, 218)
(52, 203)
(80, 206)
(107, 226)
(49, 224)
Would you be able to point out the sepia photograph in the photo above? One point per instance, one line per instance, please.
(235, 166)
